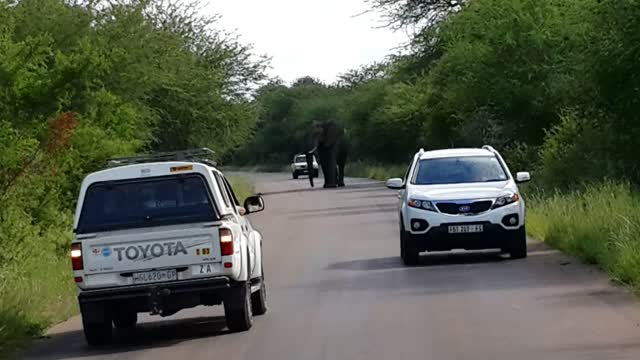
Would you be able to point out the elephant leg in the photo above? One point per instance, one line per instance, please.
(340, 179)
(330, 176)
(324, 155)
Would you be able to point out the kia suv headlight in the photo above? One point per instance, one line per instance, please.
(422, 204)
(506, 200)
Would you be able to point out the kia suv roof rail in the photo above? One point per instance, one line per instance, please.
(490, 148)
(200, 155)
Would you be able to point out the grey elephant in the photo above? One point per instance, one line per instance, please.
(329, 142)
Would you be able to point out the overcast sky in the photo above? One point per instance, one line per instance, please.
(321, 38)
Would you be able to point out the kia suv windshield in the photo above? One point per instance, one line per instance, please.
(148, 202)
(459, 170)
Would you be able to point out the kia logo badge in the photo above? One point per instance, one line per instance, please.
(465, 208)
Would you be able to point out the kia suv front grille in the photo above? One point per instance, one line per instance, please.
(475, 207)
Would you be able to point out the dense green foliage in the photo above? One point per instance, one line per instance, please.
(553, 84)
(79, 83)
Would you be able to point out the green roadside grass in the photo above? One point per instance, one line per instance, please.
(34, 294)
(242, 187)
(599, 223)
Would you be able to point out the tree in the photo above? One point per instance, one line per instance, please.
(418, 14)
(363, 74)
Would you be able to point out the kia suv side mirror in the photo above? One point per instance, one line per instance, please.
(395, 184)
(523, 177)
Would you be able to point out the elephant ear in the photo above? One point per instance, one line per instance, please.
(309, 157)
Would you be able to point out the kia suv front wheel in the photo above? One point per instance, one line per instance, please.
(517, 245)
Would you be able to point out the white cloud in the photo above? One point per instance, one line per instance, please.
(321, 38)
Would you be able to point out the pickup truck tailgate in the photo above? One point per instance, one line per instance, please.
(151, 248)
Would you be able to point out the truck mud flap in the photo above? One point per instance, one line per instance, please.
(155, 297)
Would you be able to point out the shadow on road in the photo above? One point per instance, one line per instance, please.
(456, 272)
(289, 191)
(394, 262)
(363, 189)
(357, 211)
(341, 209)
(358, 187)
(156, 334)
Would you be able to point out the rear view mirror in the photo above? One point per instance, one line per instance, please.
(395, 183)
(523, 177)
(254, 204)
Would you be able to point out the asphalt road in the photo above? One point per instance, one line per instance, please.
(337, 290)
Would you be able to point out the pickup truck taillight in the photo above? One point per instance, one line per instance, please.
(226, 242)
(76, 257)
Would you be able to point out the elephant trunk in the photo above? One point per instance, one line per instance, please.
(309, 157)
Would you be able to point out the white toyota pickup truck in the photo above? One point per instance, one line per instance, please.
(161, 233)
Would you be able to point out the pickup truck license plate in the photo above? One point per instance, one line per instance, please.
(465, 229)
(155, 276)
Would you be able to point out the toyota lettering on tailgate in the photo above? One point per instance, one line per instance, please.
(149, 251)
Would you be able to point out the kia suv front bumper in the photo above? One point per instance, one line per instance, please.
(438, 238)
(438, 231)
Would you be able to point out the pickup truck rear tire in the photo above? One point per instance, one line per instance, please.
(259, 298)
(98, 332)
(125, 319)
(237, 308)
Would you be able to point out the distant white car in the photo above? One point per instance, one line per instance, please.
(299, 166)
(161, 233)
(460, 199)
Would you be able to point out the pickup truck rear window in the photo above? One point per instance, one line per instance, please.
(146, 202)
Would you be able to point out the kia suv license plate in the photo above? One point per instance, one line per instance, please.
(465, 229)
(155, 276)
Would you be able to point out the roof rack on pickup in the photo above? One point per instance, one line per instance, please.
(201, 155)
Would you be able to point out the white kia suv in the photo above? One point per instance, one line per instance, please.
(460, 199)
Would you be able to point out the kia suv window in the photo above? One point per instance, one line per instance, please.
(459, 170)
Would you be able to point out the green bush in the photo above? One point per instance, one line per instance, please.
(578, 149)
